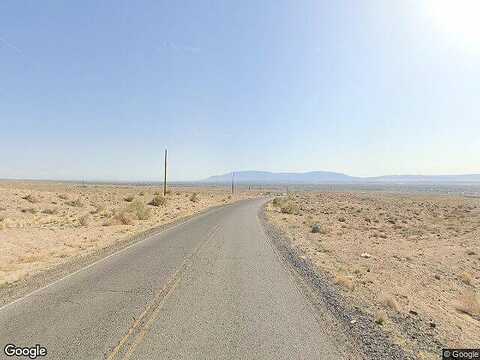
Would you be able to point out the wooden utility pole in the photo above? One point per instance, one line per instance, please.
(165, 176)
(233, 186)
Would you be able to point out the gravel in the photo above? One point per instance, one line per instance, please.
(366, 337)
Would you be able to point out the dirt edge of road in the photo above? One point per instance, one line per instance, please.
(367, 339)
(24, 287)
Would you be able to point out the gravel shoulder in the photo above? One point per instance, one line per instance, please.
(364, 336)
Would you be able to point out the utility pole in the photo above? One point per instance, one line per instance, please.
(233, 186)
(165, 176)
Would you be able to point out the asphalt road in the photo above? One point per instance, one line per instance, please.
(211, 288)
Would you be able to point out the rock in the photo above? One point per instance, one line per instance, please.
(366, 255)
(413, 312)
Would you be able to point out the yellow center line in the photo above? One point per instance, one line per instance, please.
(149, 314)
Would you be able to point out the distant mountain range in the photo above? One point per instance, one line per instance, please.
(326, 177)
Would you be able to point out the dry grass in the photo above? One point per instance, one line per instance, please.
(30, 258)
(344, 281)
(98, 208)
(158, 201)
(469, 303)
(380, 317)
(390, 302)
(63, 196)
(466, 278)
(121, 218)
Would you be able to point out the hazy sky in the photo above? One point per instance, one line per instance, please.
(97, 89)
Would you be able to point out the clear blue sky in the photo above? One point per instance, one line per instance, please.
(97, 89)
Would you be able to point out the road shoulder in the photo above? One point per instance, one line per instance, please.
(364, 335)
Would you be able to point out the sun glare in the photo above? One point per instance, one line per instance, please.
(458, 18)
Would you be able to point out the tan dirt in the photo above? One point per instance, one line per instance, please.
(45, 224)
(397, 256)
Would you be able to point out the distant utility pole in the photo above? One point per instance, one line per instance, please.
(233, 183)
(165, 176)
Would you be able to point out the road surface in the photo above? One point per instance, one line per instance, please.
(210, 288)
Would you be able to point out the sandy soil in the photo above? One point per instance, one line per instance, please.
(45, 224)
(412, 261)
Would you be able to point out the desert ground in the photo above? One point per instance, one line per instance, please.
(412, 261)
(44, 224)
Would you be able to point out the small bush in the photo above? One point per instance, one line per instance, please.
(50, 211)
(29, 211)
(194, 198)
(31, 199)
(316, 228)
(289, 208)
(341, 219)
(129, 198)
(75, 203)
(158, 201)
(3, 224)
(278, 202)
(139, 209)
(84, 220)
(63, 196)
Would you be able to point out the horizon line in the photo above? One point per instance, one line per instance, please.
(160, 180)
